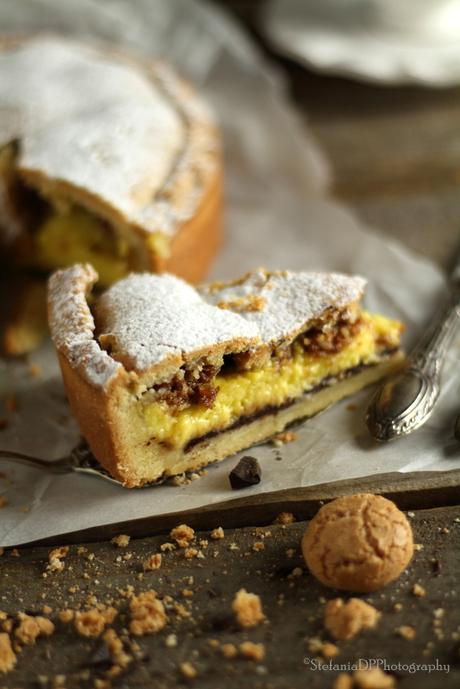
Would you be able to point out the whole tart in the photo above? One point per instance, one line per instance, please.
(104, 159)
(164, 378)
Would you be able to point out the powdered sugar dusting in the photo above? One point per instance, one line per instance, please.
(147, 319)
(72, 325)
(290, 299)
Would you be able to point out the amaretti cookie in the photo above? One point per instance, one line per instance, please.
(165, 378)
(104, 159)
(357, 543)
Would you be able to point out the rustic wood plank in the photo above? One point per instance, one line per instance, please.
(293, 606)
(410, 491)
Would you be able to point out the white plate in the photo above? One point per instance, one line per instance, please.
(382, 41)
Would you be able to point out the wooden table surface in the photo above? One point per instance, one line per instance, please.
(395, 156)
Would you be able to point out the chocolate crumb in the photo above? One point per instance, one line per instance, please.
(246, 473)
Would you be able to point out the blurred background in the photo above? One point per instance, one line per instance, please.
(378, 82)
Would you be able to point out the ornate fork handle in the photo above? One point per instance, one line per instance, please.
(430, 352)
(406, 401)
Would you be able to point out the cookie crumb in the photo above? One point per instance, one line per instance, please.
(171, 641)
(153, 562)
(30, 628)
(148, 615)
(324, 648)
(121, 541)
(373, 678)
(55, 559)
(66, 615)
(7, 655)
(229, 651)
(257, 546)
(252, 651)
(343, 681)
(418, 591)
(407, 632)
(92, 622)
(116, 650)
(190, 553)
(247, 608)
(285, 518)
(329, 650)
(345, 620)
(217, 534)
(188, 670)
(284, 438)
(182, 534)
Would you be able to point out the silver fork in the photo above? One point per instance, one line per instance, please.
(79, 460)
(405, 401)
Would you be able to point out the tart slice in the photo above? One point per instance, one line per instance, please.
(106, 159)
(164, 378)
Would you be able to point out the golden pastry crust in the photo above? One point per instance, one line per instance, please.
(358, 543)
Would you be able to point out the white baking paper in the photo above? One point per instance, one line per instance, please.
(278, 215)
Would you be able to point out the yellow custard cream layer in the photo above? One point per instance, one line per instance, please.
(76, 236)
(241, 394)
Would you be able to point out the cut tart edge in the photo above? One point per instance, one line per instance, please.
(224, 443)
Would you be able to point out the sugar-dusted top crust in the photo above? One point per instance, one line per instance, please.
(145, 320)
(153, 324)
(281, 303)
(128, 135)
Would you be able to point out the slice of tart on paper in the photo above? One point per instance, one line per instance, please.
(164, 378)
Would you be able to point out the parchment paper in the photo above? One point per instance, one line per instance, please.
(278, 215)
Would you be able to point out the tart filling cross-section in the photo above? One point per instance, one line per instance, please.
(164, 378)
